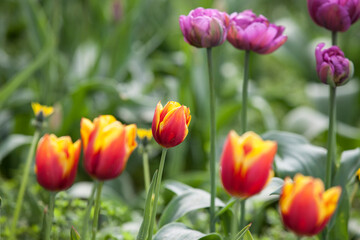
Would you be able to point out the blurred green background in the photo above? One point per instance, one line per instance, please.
(120, 57)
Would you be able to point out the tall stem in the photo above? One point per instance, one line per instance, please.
(331, 142)
(234, 222)
(24, 182)
(157, 190)
(97, 209)
(334, 38)
(146, 170)
(242, 213)
(245, 92)
(212, 142)
(50, 215)
(87, 213)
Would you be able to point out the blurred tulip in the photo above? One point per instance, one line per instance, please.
(334, 15)
(249, 32)
(107, 146)
(204, 28)
(56, 162)
(305, 207)
(43, 110)
(332, 66)
(144, 135)
(170, 124)
(246, 164)
(358, 174)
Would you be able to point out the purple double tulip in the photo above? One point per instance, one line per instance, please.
(204, 28)
(250, 32)
(334, 15)
(332, 66)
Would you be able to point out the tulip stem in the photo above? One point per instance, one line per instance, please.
(331, 142)
(50, 215)
(146, 170)
(97, 209)
(245, 92)
(212, 143)
(234, 222)
(87, 213)
(242, 213)
(157, 190)
(24, 182)
(333, 38)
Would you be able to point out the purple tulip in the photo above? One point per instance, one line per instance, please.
(332, 66)
(204, 28)
(250, 32)
(335, 15)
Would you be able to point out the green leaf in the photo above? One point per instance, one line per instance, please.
(11, 143)
(74, 235)
(242, 232)
(349, 164)
(188, 201)
(248, 236)
(296, 155)
(144, 228)
(177, 187)
(178, 231)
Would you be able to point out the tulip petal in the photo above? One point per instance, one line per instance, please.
(333, 17)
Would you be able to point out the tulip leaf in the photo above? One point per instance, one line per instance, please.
(349, 164)
(11, 143)
(296, 155)
(144, 228)
(242, 232)
(178, 231)
(74, 235)
(177, 187)
(190, 200)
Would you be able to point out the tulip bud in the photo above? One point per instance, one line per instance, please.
(246, 164)
(334, 15)
(56, 162)
(255, 33)
(170, 124)
(107, 146)
(332, 66)
(304, 205)
(204, 28)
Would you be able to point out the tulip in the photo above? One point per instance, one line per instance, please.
(255, 33)
(170, 124)
(246, 164)
(204, 28)
(334, 15)
(56, 162)
(107, 146)
(332, 66)
(38, 109)
(304, 205)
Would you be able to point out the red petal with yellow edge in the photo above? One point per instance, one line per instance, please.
(173, 128)
(156, 122)
(70, 178)
(303, 213)
(169, 107)
(91, 157)
(86, 127)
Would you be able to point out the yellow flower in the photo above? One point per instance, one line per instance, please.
(42, 109)
(358, 173)
(143, 133)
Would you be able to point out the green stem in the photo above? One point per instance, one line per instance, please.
(353, 193)
(146, 170)
(234, 222)
(334, 38)
(24, 182)
(331, 142)
(242, 213)
(157, 191)
(245, 92)
(97, 209)
(212, 143)
(87, 213)
(50, 215)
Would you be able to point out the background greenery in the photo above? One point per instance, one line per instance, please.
(90, 57)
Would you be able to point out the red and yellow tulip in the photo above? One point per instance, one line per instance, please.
(107, 146)
(170, 124)
(56, 162)
(304, 205)
(246, 164)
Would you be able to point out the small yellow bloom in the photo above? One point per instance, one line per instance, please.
(143, 133)
(42, 109)
(358, 173)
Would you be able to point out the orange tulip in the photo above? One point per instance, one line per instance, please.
(170, 124)
(305, 207)
(107, 146)
(56, 162)
(246, 164)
